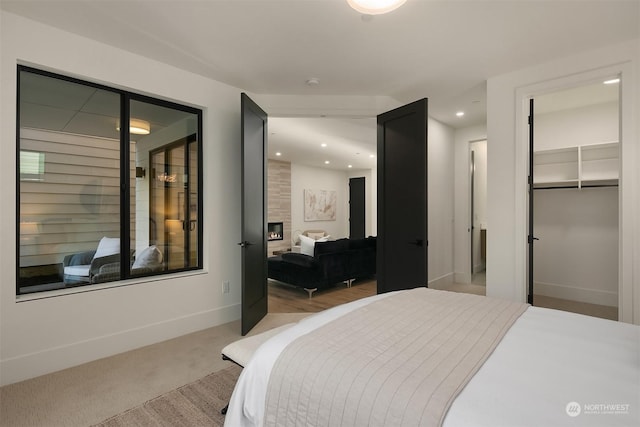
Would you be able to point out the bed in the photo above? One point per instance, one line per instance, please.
(476, 361)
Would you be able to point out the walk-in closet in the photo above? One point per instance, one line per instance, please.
(576, 198)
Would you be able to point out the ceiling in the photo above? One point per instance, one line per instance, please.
(64, 106)
(443, 50)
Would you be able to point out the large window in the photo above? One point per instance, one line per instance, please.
(106, 178)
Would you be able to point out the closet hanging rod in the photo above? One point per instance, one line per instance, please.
(573, 187)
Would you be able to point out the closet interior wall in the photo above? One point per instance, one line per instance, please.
(576, 203)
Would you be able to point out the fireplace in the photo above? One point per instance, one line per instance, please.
(275, 231)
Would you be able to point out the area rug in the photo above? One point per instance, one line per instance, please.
(195, 404)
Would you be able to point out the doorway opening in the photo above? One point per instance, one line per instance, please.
(575, 199)
(478, 205)
(321, 154)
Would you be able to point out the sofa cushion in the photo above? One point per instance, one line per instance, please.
(77, 270)
(369, 242)
(339, 245)
(107, 246)
(298, 259)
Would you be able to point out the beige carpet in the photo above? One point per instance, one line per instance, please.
(195, 404)
(93, 392)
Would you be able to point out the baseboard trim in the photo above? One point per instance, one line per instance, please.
(32, 365)
(479, 268)
(442, 281)
(572, 293)
(462, 277)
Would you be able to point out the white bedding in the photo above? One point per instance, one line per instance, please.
(547, 361)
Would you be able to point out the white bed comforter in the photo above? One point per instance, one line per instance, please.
(552, 368)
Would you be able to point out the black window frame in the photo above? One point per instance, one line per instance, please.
(125, 173)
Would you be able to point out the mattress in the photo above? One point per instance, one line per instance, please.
(551, 368)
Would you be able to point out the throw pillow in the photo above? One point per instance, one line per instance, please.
(107, 246)
(316, 236)
(148, 257)
(306, 245)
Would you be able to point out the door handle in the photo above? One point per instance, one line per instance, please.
(417, 242)
(245, 244)
(531, 239)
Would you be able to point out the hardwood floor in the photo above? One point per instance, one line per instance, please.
(595, 310)
(289, 299)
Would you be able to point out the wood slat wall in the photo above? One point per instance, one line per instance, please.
(77, 200)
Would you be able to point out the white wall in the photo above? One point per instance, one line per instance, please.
(576, 257)
(308, 177)
(577, 126)
(40, 335)
(462, 211)
(507, 160)
(441, 202)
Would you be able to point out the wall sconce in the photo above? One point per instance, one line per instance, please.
(29, 231)
(174, 225)
(140, 172)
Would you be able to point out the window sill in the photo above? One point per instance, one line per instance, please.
(110, 285)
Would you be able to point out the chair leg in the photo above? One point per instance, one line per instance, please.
(224, 410)
(310, 291)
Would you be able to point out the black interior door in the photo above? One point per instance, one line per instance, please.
(472, 205)
(530, 237)
(402, 198)
(356, 208)
(254, 214)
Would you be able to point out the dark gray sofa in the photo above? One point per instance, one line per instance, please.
(342, 260)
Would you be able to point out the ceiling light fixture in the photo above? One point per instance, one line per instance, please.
(611, 82)
(326, 162)
(323, 145)
(460, 113)
(278, 154)
(375, 7)
(137, 127)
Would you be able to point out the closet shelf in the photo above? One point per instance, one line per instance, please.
(577, 166)
(567, 183)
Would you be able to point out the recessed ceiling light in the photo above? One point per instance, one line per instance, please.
(372, 155)
(278, 154)
(323, 145)
(326, 162)
(350, 166)
(460, 113)
(313, 81)
(611, 82)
